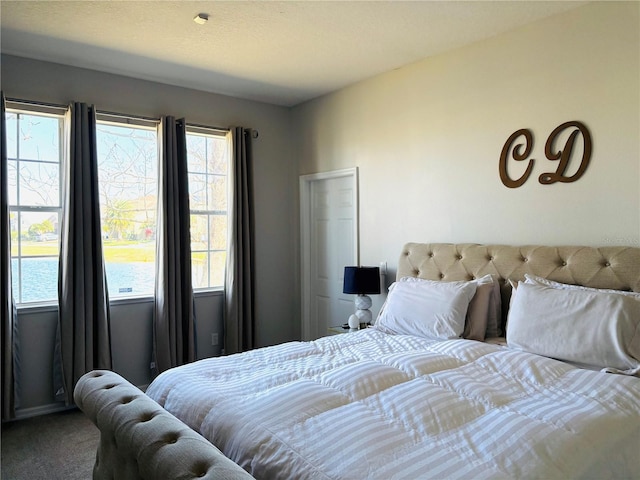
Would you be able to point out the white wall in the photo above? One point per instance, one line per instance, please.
(427, 138)
(275, 181)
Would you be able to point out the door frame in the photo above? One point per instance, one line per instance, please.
(305, 235)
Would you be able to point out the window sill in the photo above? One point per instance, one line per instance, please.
(114, 302)
(40, 307)
(209, 292)
(53, 306)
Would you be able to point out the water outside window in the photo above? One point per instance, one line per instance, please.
(128, 179)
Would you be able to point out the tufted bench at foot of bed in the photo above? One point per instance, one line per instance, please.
(141, 440)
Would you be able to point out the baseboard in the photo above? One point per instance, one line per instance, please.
(23, 413)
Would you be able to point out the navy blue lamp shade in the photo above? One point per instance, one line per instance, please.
(361, 280)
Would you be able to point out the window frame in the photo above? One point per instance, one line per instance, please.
(202, 130)
(150, 124)
(19, 107)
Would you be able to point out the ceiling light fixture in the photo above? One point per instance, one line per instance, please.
(201, 18)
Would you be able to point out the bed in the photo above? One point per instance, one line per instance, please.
(559, 397)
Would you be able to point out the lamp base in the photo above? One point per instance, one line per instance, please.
(363, 315)
(363, 302)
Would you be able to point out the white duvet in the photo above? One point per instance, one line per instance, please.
(372, 405)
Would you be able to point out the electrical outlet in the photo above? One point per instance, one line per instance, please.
(214, 339)
(383, 268)
(152, 365)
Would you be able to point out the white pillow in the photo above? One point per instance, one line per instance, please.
(485, 308)
(534, 280)
(426, 308)
(590, 327)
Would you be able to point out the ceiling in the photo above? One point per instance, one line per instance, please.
(279, 52)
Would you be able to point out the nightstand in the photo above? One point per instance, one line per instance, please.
(337, 329)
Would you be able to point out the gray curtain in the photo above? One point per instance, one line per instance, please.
(239, 282)
(8, 308)
(83, 334)
(174, 317)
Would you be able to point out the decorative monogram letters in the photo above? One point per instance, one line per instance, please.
(521, 151)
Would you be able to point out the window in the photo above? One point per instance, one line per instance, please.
(128, 187)
(208, 159)
(128, 179)
(34, 153)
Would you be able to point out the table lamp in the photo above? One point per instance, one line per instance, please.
(361, 281)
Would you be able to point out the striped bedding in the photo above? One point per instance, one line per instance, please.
(372, 405)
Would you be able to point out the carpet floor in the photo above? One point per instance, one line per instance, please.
(55, 446)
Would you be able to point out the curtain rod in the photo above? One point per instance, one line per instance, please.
(32, 102)
(208, 127)
(105, 113)
(40, 107)
(64, 107)
(254, 133)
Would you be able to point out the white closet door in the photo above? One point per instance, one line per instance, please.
(331, 245)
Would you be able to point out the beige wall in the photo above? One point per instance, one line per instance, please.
(427, 138)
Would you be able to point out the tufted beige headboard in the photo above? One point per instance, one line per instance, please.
(599, 267)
